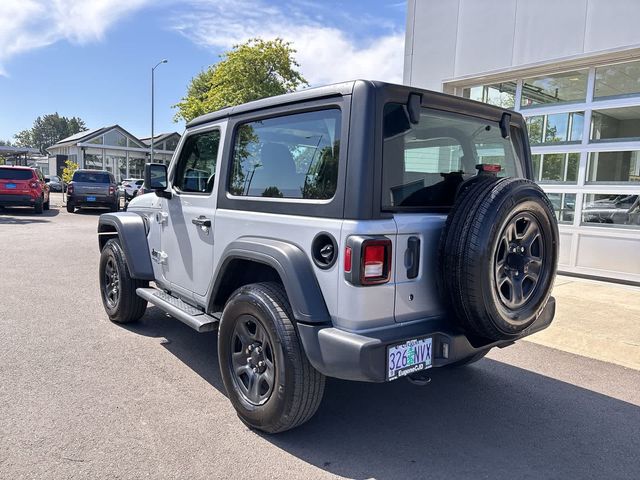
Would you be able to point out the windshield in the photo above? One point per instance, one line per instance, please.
(91, 177)
(424, 163)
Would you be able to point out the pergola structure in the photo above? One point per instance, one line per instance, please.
(19, 155)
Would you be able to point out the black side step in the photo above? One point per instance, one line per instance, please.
(187, 314)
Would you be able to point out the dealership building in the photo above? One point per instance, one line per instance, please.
(572, 68)
(111, 148)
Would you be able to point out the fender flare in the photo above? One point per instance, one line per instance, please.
(131, 230)
(294, 268)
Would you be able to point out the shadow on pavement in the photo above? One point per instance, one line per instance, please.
(490, 420)
(25, 215)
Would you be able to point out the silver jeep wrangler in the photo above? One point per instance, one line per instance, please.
(363, 231)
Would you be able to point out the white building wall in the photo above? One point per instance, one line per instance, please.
(457, 39)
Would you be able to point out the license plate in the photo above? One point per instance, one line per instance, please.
(409, 357)
(91, 199)
(10, 185)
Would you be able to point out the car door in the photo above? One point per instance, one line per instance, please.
(189, 215)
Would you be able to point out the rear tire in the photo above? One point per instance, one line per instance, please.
(498, 257)
(265, 371)
(47, 204)
(70, 207)
(117, 288)
(39, 206)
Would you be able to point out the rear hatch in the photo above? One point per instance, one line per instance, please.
(424, 164)
(15, 181)
(91, 183)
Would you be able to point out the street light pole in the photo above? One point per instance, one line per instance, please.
(152, 102)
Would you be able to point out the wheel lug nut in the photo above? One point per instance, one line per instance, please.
(516, 274)
(261, 363)
(249, 360)
(255, 369)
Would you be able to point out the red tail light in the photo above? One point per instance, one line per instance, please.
(376, 262)
(69, 189)
(367, 260)
(112, 190)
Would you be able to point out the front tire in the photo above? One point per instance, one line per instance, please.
(117, 288)
(265, 371)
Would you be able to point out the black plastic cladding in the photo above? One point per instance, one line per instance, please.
(359, 193)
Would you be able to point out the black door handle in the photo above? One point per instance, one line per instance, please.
(412, 257)
(202, 222)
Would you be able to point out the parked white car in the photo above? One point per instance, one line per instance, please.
(131, 186)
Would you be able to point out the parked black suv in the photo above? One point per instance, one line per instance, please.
(93, 188)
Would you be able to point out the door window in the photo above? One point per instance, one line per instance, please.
(196, 168)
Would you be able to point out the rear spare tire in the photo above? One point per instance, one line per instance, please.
(498, 256)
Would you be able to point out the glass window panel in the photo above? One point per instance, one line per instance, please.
(97, 140)
(559, 88)
(93, 159)
(136, 164)
(424, 163)
(615, 124)
(564, 205)
(556, 130)
(552, 167)
(171, 144)
(292, 156)
(621, 80)
(573, 161)
(614, 167)
(577, 126)
(611, 210)
(499, 94)
(114, 137)
(535, 125)
(196, 167)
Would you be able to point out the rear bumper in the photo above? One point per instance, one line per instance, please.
(350, 356)
(19, 200)
(101, 201)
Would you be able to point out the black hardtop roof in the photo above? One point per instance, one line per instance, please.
(347, 88)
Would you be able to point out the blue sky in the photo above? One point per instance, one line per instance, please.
(92, 58)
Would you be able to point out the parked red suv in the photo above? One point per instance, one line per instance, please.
(23, 186)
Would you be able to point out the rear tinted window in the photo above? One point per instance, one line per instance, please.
(91, 177)
(424, 163)
(292, 156)
(15, 174)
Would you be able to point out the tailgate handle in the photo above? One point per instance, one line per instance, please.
(412, 257)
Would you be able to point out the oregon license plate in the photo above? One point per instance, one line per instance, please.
(409, 357)
(91, 199)
(10, 185)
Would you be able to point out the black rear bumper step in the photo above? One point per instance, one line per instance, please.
(187, 314)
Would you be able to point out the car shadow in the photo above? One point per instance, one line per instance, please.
(25, 215)
(489, 420)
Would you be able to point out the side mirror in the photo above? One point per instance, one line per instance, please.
(155, 178)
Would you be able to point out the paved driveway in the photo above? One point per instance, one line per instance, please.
(81, 397)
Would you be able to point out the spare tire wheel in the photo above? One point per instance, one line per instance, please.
(498, 256)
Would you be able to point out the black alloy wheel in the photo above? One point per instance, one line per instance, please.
(111, 283)
(519, 260)
(253, 364)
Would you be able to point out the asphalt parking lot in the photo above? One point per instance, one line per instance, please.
(81, 397)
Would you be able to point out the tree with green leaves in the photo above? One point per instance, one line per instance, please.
(47, 130)
(249, 71)
(69, 168)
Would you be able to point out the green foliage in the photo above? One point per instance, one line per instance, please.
(67, 173)
(250, 71)
(48, 130)
(5, 143)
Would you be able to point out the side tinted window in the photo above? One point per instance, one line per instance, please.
(197, 165)
(293, 156)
